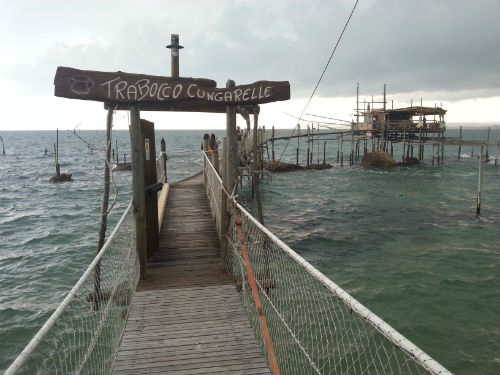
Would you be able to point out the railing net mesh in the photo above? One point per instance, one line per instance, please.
(213, 185)
(316, 328)
(85, 335)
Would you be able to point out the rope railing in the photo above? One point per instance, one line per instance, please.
(83, 334)
(315, 326)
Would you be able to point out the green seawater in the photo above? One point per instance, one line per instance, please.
(404, 242)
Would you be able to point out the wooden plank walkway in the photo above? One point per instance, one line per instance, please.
(186, 316)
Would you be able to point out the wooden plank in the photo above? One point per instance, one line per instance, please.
(187, 316)
(162, 93)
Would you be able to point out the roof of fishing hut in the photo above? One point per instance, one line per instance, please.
(409, 112)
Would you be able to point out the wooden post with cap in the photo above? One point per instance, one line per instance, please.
(138, 194)
(174, 48)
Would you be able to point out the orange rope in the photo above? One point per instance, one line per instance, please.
(262, 319)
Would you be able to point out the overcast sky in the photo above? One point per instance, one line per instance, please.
(445, 51)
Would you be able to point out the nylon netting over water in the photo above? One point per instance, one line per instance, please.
(315, 326)
(84, 333)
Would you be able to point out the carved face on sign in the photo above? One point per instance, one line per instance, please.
(80, 84)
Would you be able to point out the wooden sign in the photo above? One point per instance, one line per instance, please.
(127, 88)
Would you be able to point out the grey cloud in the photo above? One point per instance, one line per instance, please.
(410, 45)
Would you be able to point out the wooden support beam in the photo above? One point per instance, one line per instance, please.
(138, 200)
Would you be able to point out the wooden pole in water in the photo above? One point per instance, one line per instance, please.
(58, 171)
(487, 142)
(351, 156)
(324, 152)
(404, 142)
(318, 143)
(308, 144)
(383, 124)
(480, 181)
(442, 146)
(472, 150)
(498, 152)
(460, 143)
(298, 144)
(104, 210)
(3, 146)
(341, 147)
(138, 194)
(420, 148)
(338, 149)
(272, 143)
(357, 104)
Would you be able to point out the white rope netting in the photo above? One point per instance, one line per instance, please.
(315, 326)
(83, 335)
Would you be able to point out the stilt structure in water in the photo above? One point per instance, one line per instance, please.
(59, 177)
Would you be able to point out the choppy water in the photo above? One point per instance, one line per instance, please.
(405, 242)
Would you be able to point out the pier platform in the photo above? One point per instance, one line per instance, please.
(186, 316)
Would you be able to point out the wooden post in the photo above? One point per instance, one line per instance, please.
(318, 143)
(357, 104)
(324, 152)
(308, 144)
(480, 181)
(351, 157)
(255, 160)
(338, 149)
(442, 146)
(104, 211)
(163, 148)
(404, 142)
(150, 178)
(298, 146)
(420, 147)
(498, 152)
(341, 152)
(3, 146)
(433, 150)
(230, 173)
(256, 167)
(272, 143)
(58, 171)
(383, 124)
(138, 201)
(487, 156)
(460, 143)
(204, 144)
(472, 150)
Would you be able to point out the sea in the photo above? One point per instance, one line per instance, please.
(405, 241)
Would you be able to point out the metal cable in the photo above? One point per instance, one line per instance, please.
(323, 73)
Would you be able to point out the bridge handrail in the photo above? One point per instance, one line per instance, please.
(39, 337)
(399, 341)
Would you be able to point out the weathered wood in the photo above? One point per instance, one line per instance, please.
(186, 316)
(138, 195)
(104, 210)
(121, 87)
(150, 178)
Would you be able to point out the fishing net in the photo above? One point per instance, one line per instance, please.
(84, 333)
